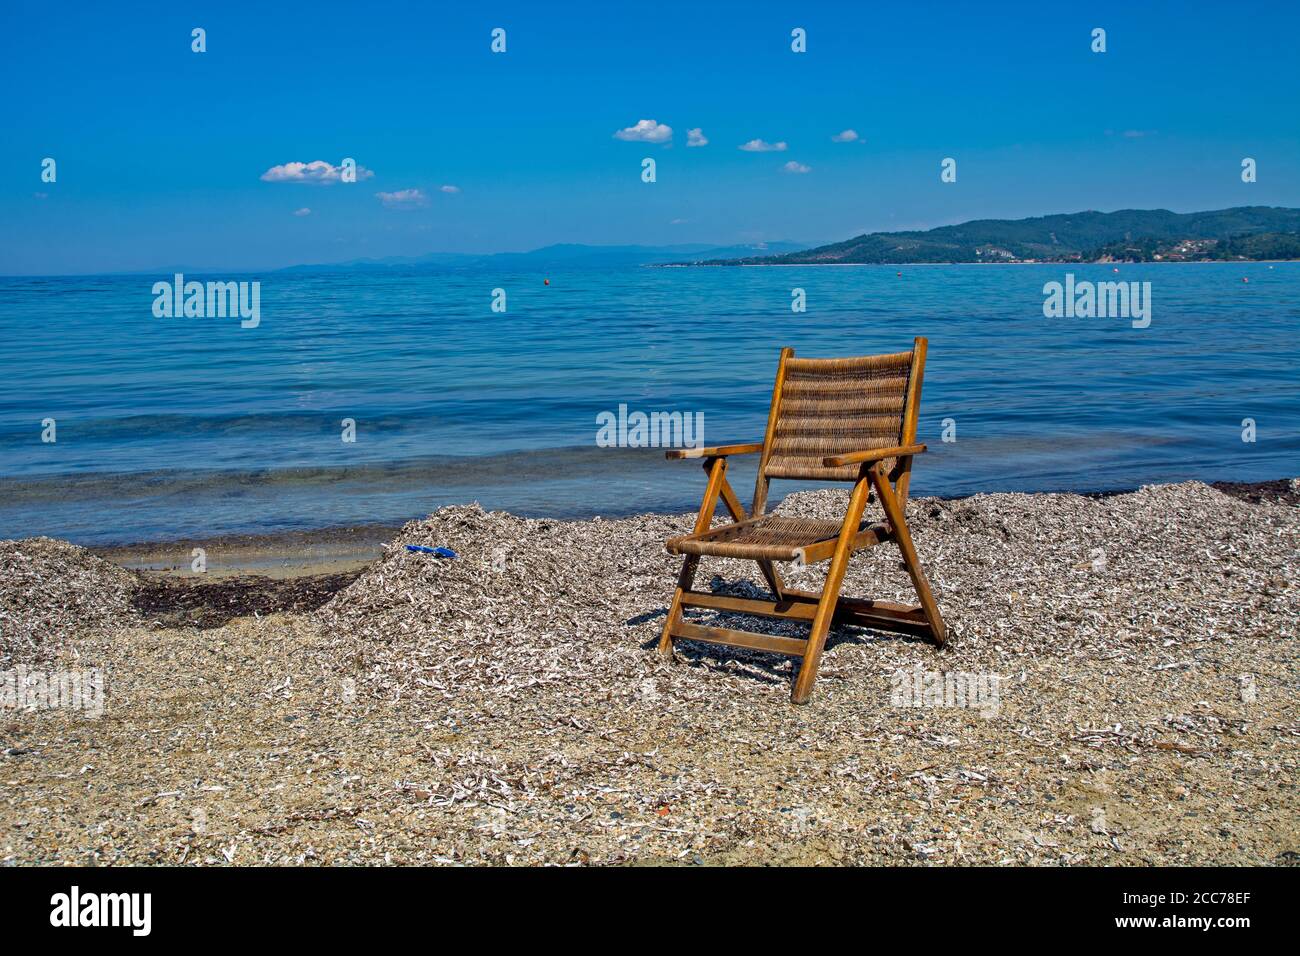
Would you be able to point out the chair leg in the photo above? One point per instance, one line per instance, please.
(772, 577)
(716, 469)
(830, 594)
(913, 564)
(684, 582)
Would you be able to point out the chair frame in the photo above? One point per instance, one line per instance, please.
(829, 607)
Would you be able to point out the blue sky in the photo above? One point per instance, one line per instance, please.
(161, 151)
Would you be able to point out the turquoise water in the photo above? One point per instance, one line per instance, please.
(195, 427)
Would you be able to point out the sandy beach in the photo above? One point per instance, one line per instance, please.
(333, 697)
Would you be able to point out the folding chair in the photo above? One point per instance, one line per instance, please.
(851, 419)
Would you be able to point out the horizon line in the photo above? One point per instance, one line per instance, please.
(248, 270)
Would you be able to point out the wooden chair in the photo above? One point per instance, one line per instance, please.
(851, 419)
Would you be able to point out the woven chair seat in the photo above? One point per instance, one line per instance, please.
(769, 538)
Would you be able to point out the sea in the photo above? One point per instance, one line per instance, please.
(373, 397)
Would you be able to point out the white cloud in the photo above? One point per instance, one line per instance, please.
(646, 131)
(759, 146)
(793, 167)
(403, 198)
(848, 136)
(318, 172)
(696, 137)
(304, 211)
(449, 189)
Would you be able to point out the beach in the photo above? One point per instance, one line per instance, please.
(334, 698)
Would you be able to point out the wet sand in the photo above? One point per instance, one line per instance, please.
(287, 554)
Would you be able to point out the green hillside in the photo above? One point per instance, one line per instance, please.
(1245, 232)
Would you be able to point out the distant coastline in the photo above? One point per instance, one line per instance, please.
(1017, 262)
(1240, 234)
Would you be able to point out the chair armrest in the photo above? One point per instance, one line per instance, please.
(720, 451)
(874, 454)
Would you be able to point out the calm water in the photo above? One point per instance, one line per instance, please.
(195, 427)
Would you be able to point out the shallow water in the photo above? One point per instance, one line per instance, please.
(197, 427)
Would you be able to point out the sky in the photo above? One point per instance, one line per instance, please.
(166, 157)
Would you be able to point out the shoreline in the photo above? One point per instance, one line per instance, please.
(276, 555)
(300, 571)
(282, 555)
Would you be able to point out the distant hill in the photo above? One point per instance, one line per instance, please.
(1245, 232)
(572, 255)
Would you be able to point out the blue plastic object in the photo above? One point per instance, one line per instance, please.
(440, 552)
